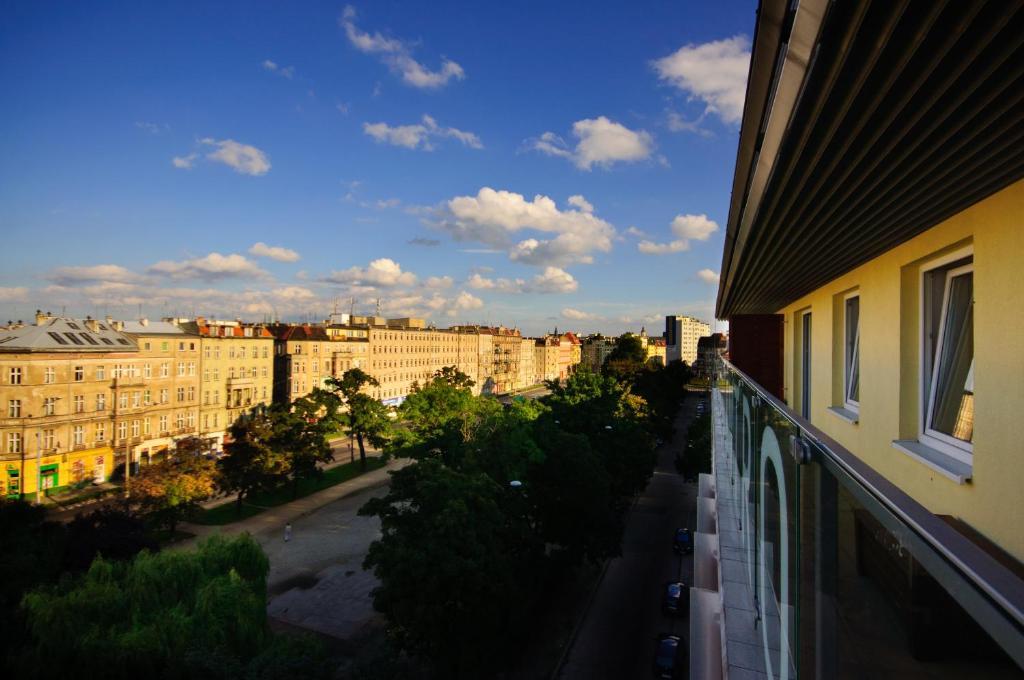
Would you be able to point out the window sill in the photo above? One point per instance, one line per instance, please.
(846, 414)
(943, 463)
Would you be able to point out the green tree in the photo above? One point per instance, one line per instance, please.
(456, 576)
(366, 418)
(159, 615)
(438, 418)
(300, 434)
(253, 461)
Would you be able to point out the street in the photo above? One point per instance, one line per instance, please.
(617, 637)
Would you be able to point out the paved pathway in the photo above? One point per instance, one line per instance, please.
(616, 639)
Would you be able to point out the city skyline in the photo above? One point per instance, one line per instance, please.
(295, 160)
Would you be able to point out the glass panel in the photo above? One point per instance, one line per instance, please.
(821, 578)
(953, 405)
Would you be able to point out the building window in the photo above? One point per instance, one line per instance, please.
(180, 420)
(181, 369)
(79, 373)
(49, 406)
(181, 347)
(145, 426)
(948, 357)
(164, 395)
(101, 373)
(206, 352)
(49, 439)
(101, 432)
(14, 408)
(164, 346)
(123, 400)
(163, 423)
(79, 401)
(13, 442)
(216, 374)
(191, 419)
(14, 375)
(122, 430)
(78, 435)
(135, 428)
(206, 375)
(147, 371)
(253, 372)
(191, 393)
(101, 402)
(851, 351)
(216, 419)
(263, 372)
(49, 375)
(165, 370)
(191, 368)
(147, 398)
(181, 394)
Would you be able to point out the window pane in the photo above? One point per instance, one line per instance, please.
(953, 406)
(853, 349)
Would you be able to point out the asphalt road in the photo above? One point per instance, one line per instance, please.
(617, 637)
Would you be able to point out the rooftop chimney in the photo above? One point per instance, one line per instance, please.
(143, 322)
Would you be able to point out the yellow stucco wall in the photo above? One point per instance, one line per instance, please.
(73, 466)
(993, 500)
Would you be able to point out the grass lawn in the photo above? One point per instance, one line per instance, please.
(225, 512)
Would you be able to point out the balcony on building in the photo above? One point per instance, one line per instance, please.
(876, 138)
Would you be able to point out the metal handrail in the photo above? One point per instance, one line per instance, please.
(1001, 585)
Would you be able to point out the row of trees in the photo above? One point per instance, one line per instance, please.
(270, 447)
(503, 503)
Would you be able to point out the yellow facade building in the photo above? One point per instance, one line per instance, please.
(237, 372)
(57, 392)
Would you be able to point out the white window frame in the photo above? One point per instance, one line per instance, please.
(847, 402)
(951, 446)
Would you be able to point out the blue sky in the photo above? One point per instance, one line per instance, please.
(536, 164)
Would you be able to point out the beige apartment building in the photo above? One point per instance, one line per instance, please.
(237, 367)
(57, 388)
(155, 398)
(527, 375)
(400, 356)
(545, 358)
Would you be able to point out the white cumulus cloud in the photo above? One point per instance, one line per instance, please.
(13, 294)
(713, 72)
(601, 142)
(578, 315)
(685, 228)
(397, 56)
(708, 276)
(421, 135)
(75, 276)
(439, 282)
(243, 158)
(464, 302)
(261, 249)
(495, 217)
(185, 162)
(383, 272)
(551, 280)
(210, 267)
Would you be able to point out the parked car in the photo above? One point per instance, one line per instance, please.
(677, 600)
(667, 656)
(683, 542)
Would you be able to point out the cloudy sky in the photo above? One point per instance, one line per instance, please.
(533, 164)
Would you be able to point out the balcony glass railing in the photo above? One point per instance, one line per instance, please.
(831, 571)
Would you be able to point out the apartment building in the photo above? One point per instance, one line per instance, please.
(506, 350)
(155, 400)
(864, 514)
(400, 356)
(237, 367)
(527, 375)
(303, 360)
(681, 336)
(546, 353)
(594, 350)
(570, 354)
(57, 393)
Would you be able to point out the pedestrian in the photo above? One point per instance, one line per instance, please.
(287, 532)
